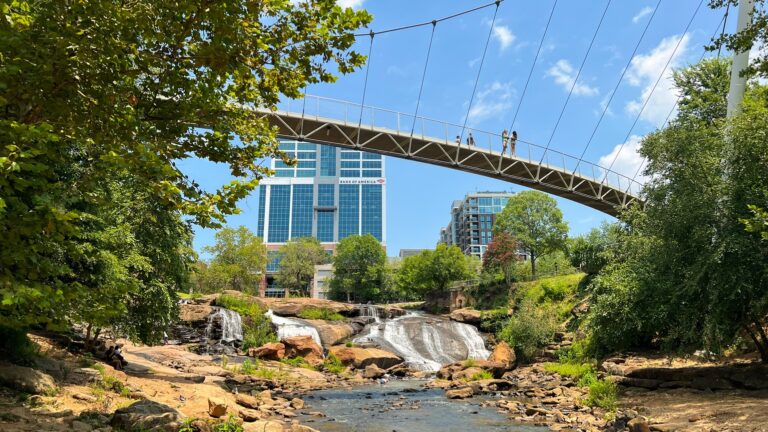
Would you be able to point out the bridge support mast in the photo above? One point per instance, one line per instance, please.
(740, 60)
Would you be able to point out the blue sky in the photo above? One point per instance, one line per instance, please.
(419, 195)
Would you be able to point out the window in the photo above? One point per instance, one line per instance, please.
(350, 173)
(372, 211)
(371, 164)
(371, 173)
(273, 261)
(350, 155)
(349, 208)
(301, 223)
(325, 226)
(371, 156)
(262, 208)
(327, 161)
(279, 211)
(350, 164)
(325, 193)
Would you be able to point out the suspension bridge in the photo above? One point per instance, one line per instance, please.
(359, 126)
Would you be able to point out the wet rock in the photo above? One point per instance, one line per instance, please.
(466, 315)
(504, 354)
(27, 380)
(459, 393)
(216, 407)
(303, 346)
(270, 351)
(359, 358)
(146, 415)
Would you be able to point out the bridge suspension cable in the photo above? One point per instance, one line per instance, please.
(477, 79)
(653, 89)
(616, 87)
(365, 86)
(421, 86)
(575, 81)
(723, 21)
(435, 21)
(533, 65)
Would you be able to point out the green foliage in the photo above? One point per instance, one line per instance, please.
(231, 424)
(501, 254)
(359, 269)
(239, 260)
(320, 314)
(758, 223)
(557, 293)
(754, 36)
(494, 320)
(468, 363)
(100, 100)
(257, 328)
(484, 375)
(16, 347)
(589, 253)
(247, 367)
(685, 274)
(349, 344)
(333, 365)
(530, 328)
(603, 394)
(297, 362)
(533, 219)
(574, 370)
(297, 263)
(433, 270)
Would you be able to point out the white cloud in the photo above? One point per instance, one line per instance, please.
(643, 12)
(627, 162)
(354, 4)
(494, 100)
(473, 62)
(504, 35)
(565, 75)
(645, 70)
(396, 71)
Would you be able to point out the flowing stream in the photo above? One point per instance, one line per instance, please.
(288, 327)
(230, 326)
(425, 342)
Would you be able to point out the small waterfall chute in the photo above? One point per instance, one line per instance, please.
(230, 326)
(288, 327)
(367, 310)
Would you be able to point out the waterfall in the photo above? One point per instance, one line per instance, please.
(287, 327)
(426, 342)
(367, 310)
(230, 328)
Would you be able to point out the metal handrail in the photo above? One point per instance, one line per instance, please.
(603, 176)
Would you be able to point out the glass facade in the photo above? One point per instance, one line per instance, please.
(262, 209)
(301, 221)
(349, 210)
(279, 212)
(471, 225)
(372, 211)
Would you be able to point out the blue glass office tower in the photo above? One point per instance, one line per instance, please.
(330, 194)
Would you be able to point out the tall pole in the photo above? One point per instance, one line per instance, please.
(740, 60)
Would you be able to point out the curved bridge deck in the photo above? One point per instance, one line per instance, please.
(346, 125)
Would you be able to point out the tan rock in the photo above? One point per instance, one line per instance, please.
(466, 374)
(27, 380)
(638, 424)
(296, 427)
(372, 371)
(263, 426)
(303, 346)
(297, 403)
(249, 415)
(270, 351)
(265, 395)
(248, 401)
(84, 397)
(359, 358)
(503, 353)
(466, 315)
(194, 312)
(459, 393)
(216, 407)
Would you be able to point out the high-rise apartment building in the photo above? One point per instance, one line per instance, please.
(329, 194)
(472, 221)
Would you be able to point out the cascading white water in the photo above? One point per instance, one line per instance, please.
(426, 342)
(369, 311)
(230, 322)
(287, 327)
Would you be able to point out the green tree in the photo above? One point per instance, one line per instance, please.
(589, 252)
(432, 271)
(535, 221)
(756, 33)
(501, 254)
(92, 90)
(297, 264)
(359, 267)
(686, 272)
(239, 260)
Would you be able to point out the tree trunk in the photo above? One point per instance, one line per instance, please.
(533, 265)
(764, 339)
(348, 299)
(88, 344)
(763, 349)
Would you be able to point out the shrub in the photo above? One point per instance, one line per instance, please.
(349, 344)
(468, 363)
(320, 314)
(602, 394)
(530, 328)
(297, 362)
(231, 424)
(484, 375)
(16, 347)
(494, 320)
(573, 370)
(257, 329)
(248, 368)
(333, 365)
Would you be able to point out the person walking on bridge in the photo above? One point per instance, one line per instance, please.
(512, 143)
(470, 140)
(504, 141)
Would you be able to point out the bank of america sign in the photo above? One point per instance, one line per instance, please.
(358, 180)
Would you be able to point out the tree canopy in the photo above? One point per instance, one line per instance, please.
(239, 259)
(432, 271)
(534, 220)
(359, 269)
(298, 259)
(103, 98)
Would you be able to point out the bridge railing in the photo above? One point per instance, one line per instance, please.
(403, 124)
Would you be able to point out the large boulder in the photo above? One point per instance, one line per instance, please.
(372, 371)
(333, 332)
(460, 393)
(503, 353)
(457, 370)
(217, 407)
(466, 315)
(303, 346)
(263, 426)
(27, 380)
(146, 415)
(270, 351)
(360, 358)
